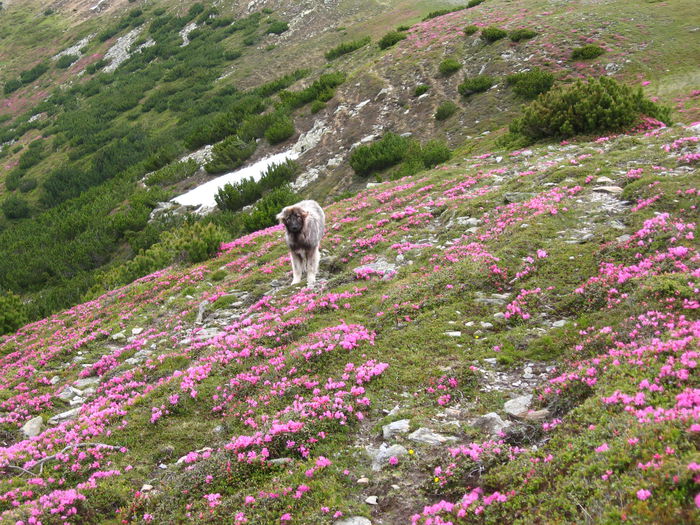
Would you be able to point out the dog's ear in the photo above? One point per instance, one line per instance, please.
(281, 215)
(304, 214)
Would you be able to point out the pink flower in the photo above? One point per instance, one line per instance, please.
(643, 494)
(286, 517)
(393, 460)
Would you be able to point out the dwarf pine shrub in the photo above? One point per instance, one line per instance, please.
(387, 151)
(230, 154)
(475, 84)
(347, 47)
(420, 89)
(172, 173)
(277, 27)
(12, 313)
(449, 66)
(521, 34)
(530, 84)
(596, 106)
(267, 208)
(491, 34)
(15, 207)
(470, 29)
(235, 196)
(65, 61)
(280, 130)
(445, 110)
(391, 38)
(587, 52)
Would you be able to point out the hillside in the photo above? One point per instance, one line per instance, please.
(563, 273)
(505, 326)
(100, 95)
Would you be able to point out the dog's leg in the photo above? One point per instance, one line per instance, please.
(297, 267)
(312, 267)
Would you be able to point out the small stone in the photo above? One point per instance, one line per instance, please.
(623, 238)
(395, 428)
(604, 180)
(146, 487)
(54, 380)
(454, 333)
(425, 435)
(499, 315)
(64, 416)
(353, 520)
(468, 221)
(363, 481)
(136, 331)
(33, 427)
(559, 324)
(280, 461)
(486, 325)
(396, 487)
(614, 190)
(119, 336)
(87, 382)
(519, 406)
(380, 456)
(517, 196)
(536, 415)
(371, 500)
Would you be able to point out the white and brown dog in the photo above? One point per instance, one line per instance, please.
(305, 223)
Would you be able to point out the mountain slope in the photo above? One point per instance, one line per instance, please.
(567, 273)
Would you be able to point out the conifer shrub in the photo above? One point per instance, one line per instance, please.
(587, 52)
(96, 66)
(172, 173)
(449, 66)
(347, 47)
(491, 34)
(440, 12)
(390, 39)
(434, 152)
(317, 105)
(13, 313)
(596, 106)
(521, 34)
(445, 110)
(477, 84)
(235, 196)
(280, 130)
(277, 27)
(65, 61)
(420, 90)
(267, 208)
(474, 3)
(11, 86)
(387, 151)
(322, 89)
(13, 178)
(15, 207)
(230, 154)
(470, 29)
(530, 84)
(27, 184)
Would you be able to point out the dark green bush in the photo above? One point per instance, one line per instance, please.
(420, 89)
(477, 84)
(66, 60)
(491, 34)
(596, 106)
(434, 152)
(522, 34)
(530, 84)
(265, 211)
(280, 130)
(470, 29)
(347, 47)
(322, 89)
(440, 12)
(27, 184)
(15, 207)
(317, 105)
(172, 173)
(230, 154)
(387, 151)
(449, 66)
(391, 38)
(27, 77)
(473, 3)
(96, 66)
(13, 313)
(587, 52)
(13, 178)
(277, 27)
(445, 110)
(11, 86)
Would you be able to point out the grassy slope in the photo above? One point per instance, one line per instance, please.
(267, 374)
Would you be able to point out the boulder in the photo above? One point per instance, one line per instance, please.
(380, 456)
(395, 428)
(425, 435)
(490, 423)
(33, 427)
(519, 406)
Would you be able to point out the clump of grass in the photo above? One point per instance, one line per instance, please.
(521, 34)
(390, 39)
(449, 66)
(347, 47)
(420, 90)
(491, 34)
(477, 84)
(445, 110)
(587, 52)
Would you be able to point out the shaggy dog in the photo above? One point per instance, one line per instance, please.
(305, 223)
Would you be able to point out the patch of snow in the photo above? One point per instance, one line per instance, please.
(203, 196)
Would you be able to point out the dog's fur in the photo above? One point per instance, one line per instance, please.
(305, 223)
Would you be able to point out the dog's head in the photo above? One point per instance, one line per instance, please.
(293, 219)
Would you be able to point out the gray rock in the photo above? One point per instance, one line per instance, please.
(33, 427)
(486, 326)
(395, 428)
(119, 336)
(353, 520)
(64, 416)
(536, 415)
(425, 435)
(371, 500)
(559, 324)
(380, 456)
(363, 481)
(136, 331)
(146, 487)
(604, 180)
(614, 190)
(468, 221)
(200, 312)
(86, 382)
(491, 423)
(454, 333)
(517, 196)
(281, 461)
(519, 406)
(54, 380)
